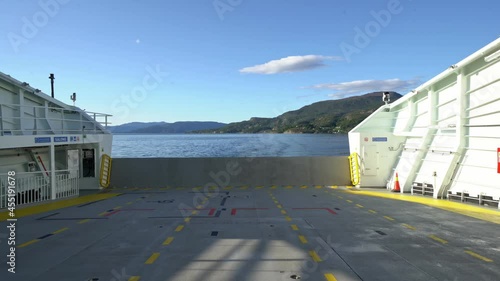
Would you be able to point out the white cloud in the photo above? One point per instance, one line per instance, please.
(357, 87)
(289, 64)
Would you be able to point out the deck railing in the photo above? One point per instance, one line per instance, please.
(41, 120)
(33, 187)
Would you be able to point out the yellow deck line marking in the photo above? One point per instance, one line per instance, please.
(435, 238)
(315, 256)
(283, 212)
(273, 187)
(288, 186)
(372, 211)
(304, 186)
(288, 218)
(227, 187)
(179, 228)
(28, 243)
(187, 219)
(294, 227)
(42, 208)
(194, 212)
(330, 277)
(279, 206)
(340, 197)
(303, 239)
(103, 213)
(276, 201)
(350, 201)
(259, 187)
(152, 258)
(388, 218)
(117, 207)
(360, 206)
(134, 278)
(334, 186)
(485, 214)
(60, 230)
(168, 240)
(199, 207)
(476, 255)
(409, 226)
(319, 186)
(84, 221)
(128, 203)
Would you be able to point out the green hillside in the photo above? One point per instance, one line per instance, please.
(332, 116)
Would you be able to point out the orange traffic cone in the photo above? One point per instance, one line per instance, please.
(396, 188)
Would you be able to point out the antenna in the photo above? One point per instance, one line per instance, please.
(51, 77)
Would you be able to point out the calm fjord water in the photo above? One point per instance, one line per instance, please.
(229, 145)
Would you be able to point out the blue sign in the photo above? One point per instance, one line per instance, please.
(74, 138)
(60, 139)
(42, 139)
(379, 139)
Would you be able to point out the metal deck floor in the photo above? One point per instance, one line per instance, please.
(254, 233)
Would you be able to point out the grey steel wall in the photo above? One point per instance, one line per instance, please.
(251, 171)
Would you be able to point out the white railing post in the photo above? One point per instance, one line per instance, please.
(53, 172)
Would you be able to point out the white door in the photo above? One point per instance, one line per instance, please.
(73, 163)
(370, 160)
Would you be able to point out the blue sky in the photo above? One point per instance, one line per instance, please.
(230, 60)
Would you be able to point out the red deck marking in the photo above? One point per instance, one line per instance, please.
(211, 211)
(327, 209)
(234, 210)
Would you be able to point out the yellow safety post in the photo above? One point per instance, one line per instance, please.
(354, 168)
(105, 175)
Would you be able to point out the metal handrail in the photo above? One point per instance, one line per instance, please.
(354, 168)
(98, 120)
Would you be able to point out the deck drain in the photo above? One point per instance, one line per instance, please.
(93, 279)
(295, 276)
(215, 233)
(380, 232)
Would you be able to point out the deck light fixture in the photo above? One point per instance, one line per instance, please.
(492, 57)
(386, 97)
